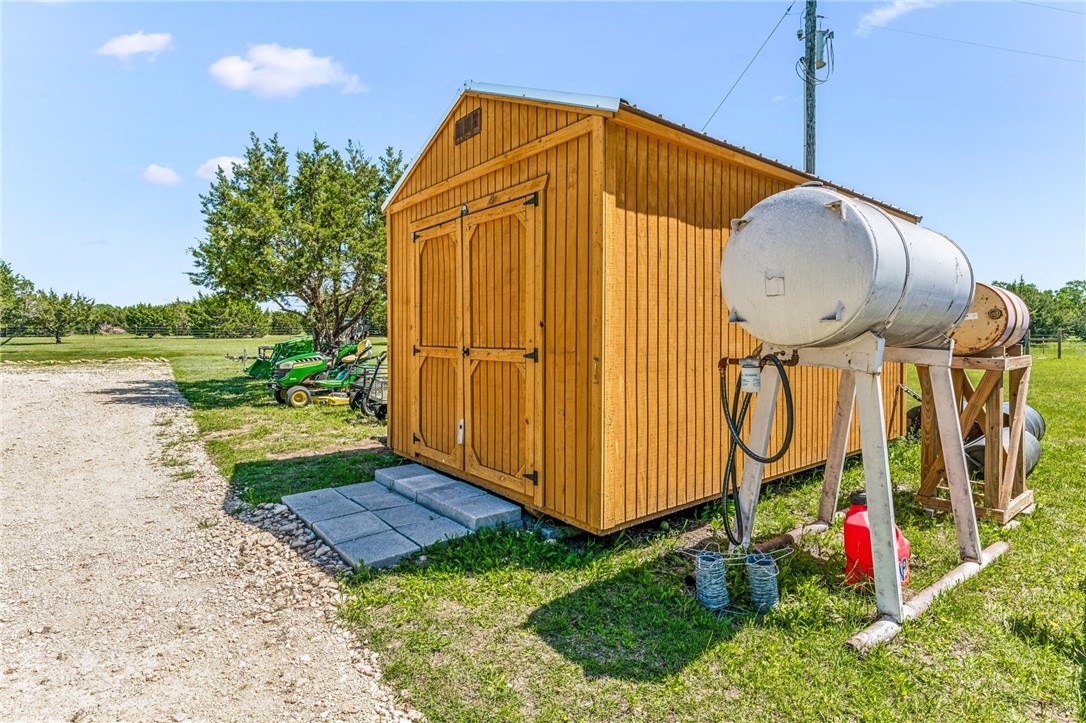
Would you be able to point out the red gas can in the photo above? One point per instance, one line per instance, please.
(858, 565)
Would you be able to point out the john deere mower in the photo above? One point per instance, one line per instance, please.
(267, 357)
(299, 380)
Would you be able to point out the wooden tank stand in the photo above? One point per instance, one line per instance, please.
(861, 364)
(1003, 493)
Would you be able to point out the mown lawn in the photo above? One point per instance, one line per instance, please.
(267, 450)
(507, 626)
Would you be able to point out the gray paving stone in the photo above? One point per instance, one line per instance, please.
(380, 550)
(425, 534)
(447, 496)
(350, 527)
(337, 508)
(373, 496)
(304, 500)
(482, 511)
(386, 477)
(410, 487)
(409, 515)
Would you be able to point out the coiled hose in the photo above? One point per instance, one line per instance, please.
(735, 418)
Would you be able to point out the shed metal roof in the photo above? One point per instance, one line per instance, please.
(612, 104)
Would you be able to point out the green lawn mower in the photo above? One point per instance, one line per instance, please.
(305, 378)
(267, 357)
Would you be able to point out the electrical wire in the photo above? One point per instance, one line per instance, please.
(735, 419)
(1049, 7)
(981, 45)
(771, 33)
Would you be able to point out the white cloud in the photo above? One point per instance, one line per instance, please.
(272, 70)
(226, 163)
(125, 46)
(158, 175)
(779, 98)
(883, 15)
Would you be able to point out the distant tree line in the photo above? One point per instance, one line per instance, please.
(27, 311)
(1052, 310)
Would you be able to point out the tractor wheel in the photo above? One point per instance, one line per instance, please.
(381, 413)
(281, 396)
(356, 401)
(298, 397)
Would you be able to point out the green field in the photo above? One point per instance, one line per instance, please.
(507, 626)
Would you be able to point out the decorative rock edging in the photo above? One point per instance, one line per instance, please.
(286, 527)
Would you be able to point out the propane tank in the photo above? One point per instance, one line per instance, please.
(859, 566)
(811, 267)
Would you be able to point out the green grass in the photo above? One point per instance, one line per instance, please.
(507, 626)
(267, 450)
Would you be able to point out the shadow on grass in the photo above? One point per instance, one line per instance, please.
(150, 393)
(269, 480)
(224, 393)
(639, 624)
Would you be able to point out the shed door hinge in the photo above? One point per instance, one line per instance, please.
(534, 477)
(415, 350)
(414, 235)
(533, 355)
(415, 438)
(532, 200)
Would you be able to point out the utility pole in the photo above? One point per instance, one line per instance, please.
(810, 35)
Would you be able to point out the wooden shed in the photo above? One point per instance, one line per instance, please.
(555, 312)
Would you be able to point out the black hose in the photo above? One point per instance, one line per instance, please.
(735, 419)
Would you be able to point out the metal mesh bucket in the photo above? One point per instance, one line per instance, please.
(711, 585)
(762, 573)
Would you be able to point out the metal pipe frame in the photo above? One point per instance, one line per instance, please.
(861, 364)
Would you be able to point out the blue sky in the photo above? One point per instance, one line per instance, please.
(109, 110)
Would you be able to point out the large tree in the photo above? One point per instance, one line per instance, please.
(60, 314)
(148, 319)
(15, 297)
(311, 241)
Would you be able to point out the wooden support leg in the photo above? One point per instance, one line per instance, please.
(961, 496)
(765, 407)
(1015, 454)
(880, 504)
(994, 453)
(1019, 387)
(835, 456)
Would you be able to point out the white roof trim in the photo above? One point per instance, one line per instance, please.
(600, 102)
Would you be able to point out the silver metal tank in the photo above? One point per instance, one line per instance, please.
(812, 267)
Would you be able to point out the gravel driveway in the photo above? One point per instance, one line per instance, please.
(126, 592)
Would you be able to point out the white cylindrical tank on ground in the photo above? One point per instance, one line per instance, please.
(812, 267)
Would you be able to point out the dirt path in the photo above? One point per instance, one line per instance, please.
(126, 592)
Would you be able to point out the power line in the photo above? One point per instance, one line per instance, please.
(771, 32)
(1049, 7)
(982, 45)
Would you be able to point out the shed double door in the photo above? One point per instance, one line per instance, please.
(476, 346)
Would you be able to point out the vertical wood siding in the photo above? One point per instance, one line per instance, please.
(633, 319)
(665, 328)
(566, 350)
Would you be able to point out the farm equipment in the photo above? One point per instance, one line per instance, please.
(298, 380)
(267, 357)
(369, 390)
